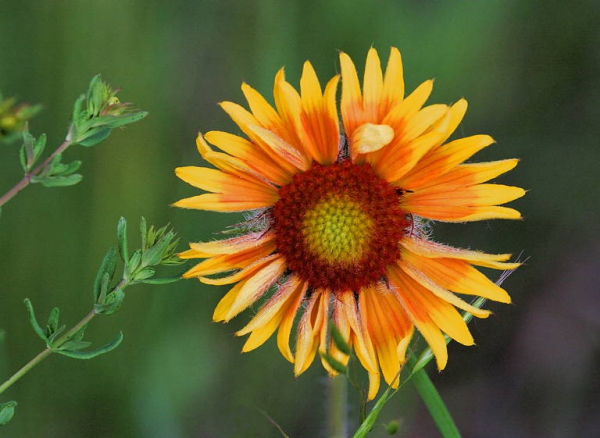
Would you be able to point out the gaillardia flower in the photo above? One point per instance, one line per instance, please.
(337, 231)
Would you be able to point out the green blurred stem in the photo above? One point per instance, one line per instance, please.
(33, 362)
(338, 408)
(48, 351)
(27, 178)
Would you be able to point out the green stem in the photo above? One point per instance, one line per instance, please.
(27, 178)
(338, 407)
(48, 351)
(32, 363)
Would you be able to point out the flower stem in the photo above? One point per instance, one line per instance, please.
(338, 407)
(27, 178)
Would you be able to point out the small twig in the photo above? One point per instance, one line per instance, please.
(27, 178)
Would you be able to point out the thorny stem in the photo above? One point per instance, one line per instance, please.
(48, 351)
(27, 178)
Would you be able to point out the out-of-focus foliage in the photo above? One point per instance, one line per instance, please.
(529, 70)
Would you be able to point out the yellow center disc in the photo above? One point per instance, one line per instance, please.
(337, 229)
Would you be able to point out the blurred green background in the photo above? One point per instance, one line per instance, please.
(530, 71)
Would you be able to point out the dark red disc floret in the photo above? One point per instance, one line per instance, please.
(378, 199)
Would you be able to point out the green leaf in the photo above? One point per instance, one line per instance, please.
(143, 274)
(95, 96)
(108, 267)
(33, 321)
(26, 153)
(435, 405)
(68, 169)
(78, 354)
(152, 256)
(52, 324)
(122, 239)
(333, 362)
(55, 336)
(143, 232)
(78, 336)
(113, 122)
(133, 265)
(162, 280)
(94, 136)
(58, 181)
(338, 339)
(111, 304)
(74, 345)
(104, 287)
(7, 410)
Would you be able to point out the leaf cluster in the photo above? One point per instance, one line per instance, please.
(98, 112)
(70, 345)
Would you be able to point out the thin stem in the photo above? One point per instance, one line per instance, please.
(27, 178)
(338, 407)
(33, 362)
(48, 351)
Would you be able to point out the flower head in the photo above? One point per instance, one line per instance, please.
(338, 228)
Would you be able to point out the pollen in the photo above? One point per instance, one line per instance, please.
(338, 226)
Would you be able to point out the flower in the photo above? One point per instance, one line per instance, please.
(338, 229)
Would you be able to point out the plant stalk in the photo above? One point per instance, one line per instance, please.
(338, 407)
(32, 363)
(27, 178)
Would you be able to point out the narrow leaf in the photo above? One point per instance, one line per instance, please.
(112, 303)
(108, 266)
(74, 345)
(33, 321)
(333, 362)
(94, 136)
(122, 239)
(94, 353)
(143, 232)
(162, 280)
(435, 405)
(52, 324)
(338, 339)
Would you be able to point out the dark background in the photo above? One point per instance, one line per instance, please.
(530, 71)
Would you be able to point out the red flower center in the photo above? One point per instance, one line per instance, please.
(338, 226)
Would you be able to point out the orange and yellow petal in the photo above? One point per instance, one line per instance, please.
(388, 328)
(448, 203)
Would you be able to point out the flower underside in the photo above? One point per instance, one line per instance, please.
(338, 226)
